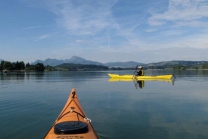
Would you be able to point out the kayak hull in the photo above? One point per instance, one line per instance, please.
(140, 77)
(130, 80)
(72, 113)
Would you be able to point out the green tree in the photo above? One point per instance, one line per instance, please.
(17, 67)
(7, 65)
(205, 66)
(13, 65)
(39, 67)
(28, 65)
(2, 63)
(49, 68)
(22, 65)
(179, 67)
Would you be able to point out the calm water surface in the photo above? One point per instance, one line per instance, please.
(30, 102)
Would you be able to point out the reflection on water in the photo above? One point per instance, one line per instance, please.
(141, 83)
(30, 102)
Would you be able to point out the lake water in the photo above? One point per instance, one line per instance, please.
(30, 102)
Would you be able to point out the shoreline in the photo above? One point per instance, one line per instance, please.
(102, 70)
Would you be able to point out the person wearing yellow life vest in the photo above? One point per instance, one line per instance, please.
(140, 72)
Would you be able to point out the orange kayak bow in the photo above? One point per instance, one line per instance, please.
(72, 122)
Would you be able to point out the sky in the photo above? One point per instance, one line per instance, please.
(144, 31)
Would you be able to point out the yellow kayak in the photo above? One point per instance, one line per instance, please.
(130, 80)
(140, 77)
(72, 122)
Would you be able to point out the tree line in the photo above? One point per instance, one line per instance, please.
(18, 66)
(195, 67)
(180, 67)
(21, 66)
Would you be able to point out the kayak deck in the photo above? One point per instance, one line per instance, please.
(140, 77)
(72, 122)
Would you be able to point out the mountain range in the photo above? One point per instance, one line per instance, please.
(176, 63)
(79, 60)
(129, 64)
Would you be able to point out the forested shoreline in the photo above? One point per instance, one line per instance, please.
(21, 66)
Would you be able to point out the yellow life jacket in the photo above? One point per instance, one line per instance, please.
(142, 73)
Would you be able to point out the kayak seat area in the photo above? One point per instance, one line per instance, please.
(71, 127)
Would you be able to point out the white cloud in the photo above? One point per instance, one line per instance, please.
(191, 24)
(79, 41)
(34, 27)
(93, 32)
(197, 41)
(43, 37)
(172, 32)
(84, 17)
(151, 30)
(182, 12)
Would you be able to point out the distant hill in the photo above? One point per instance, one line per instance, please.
(74, 60)
(48, 61)
(71, 66)
(129, 64)
(174, 63)
(79, 60)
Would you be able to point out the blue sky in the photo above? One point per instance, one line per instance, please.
(104, 30)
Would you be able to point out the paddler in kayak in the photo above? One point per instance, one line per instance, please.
(139, 72)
